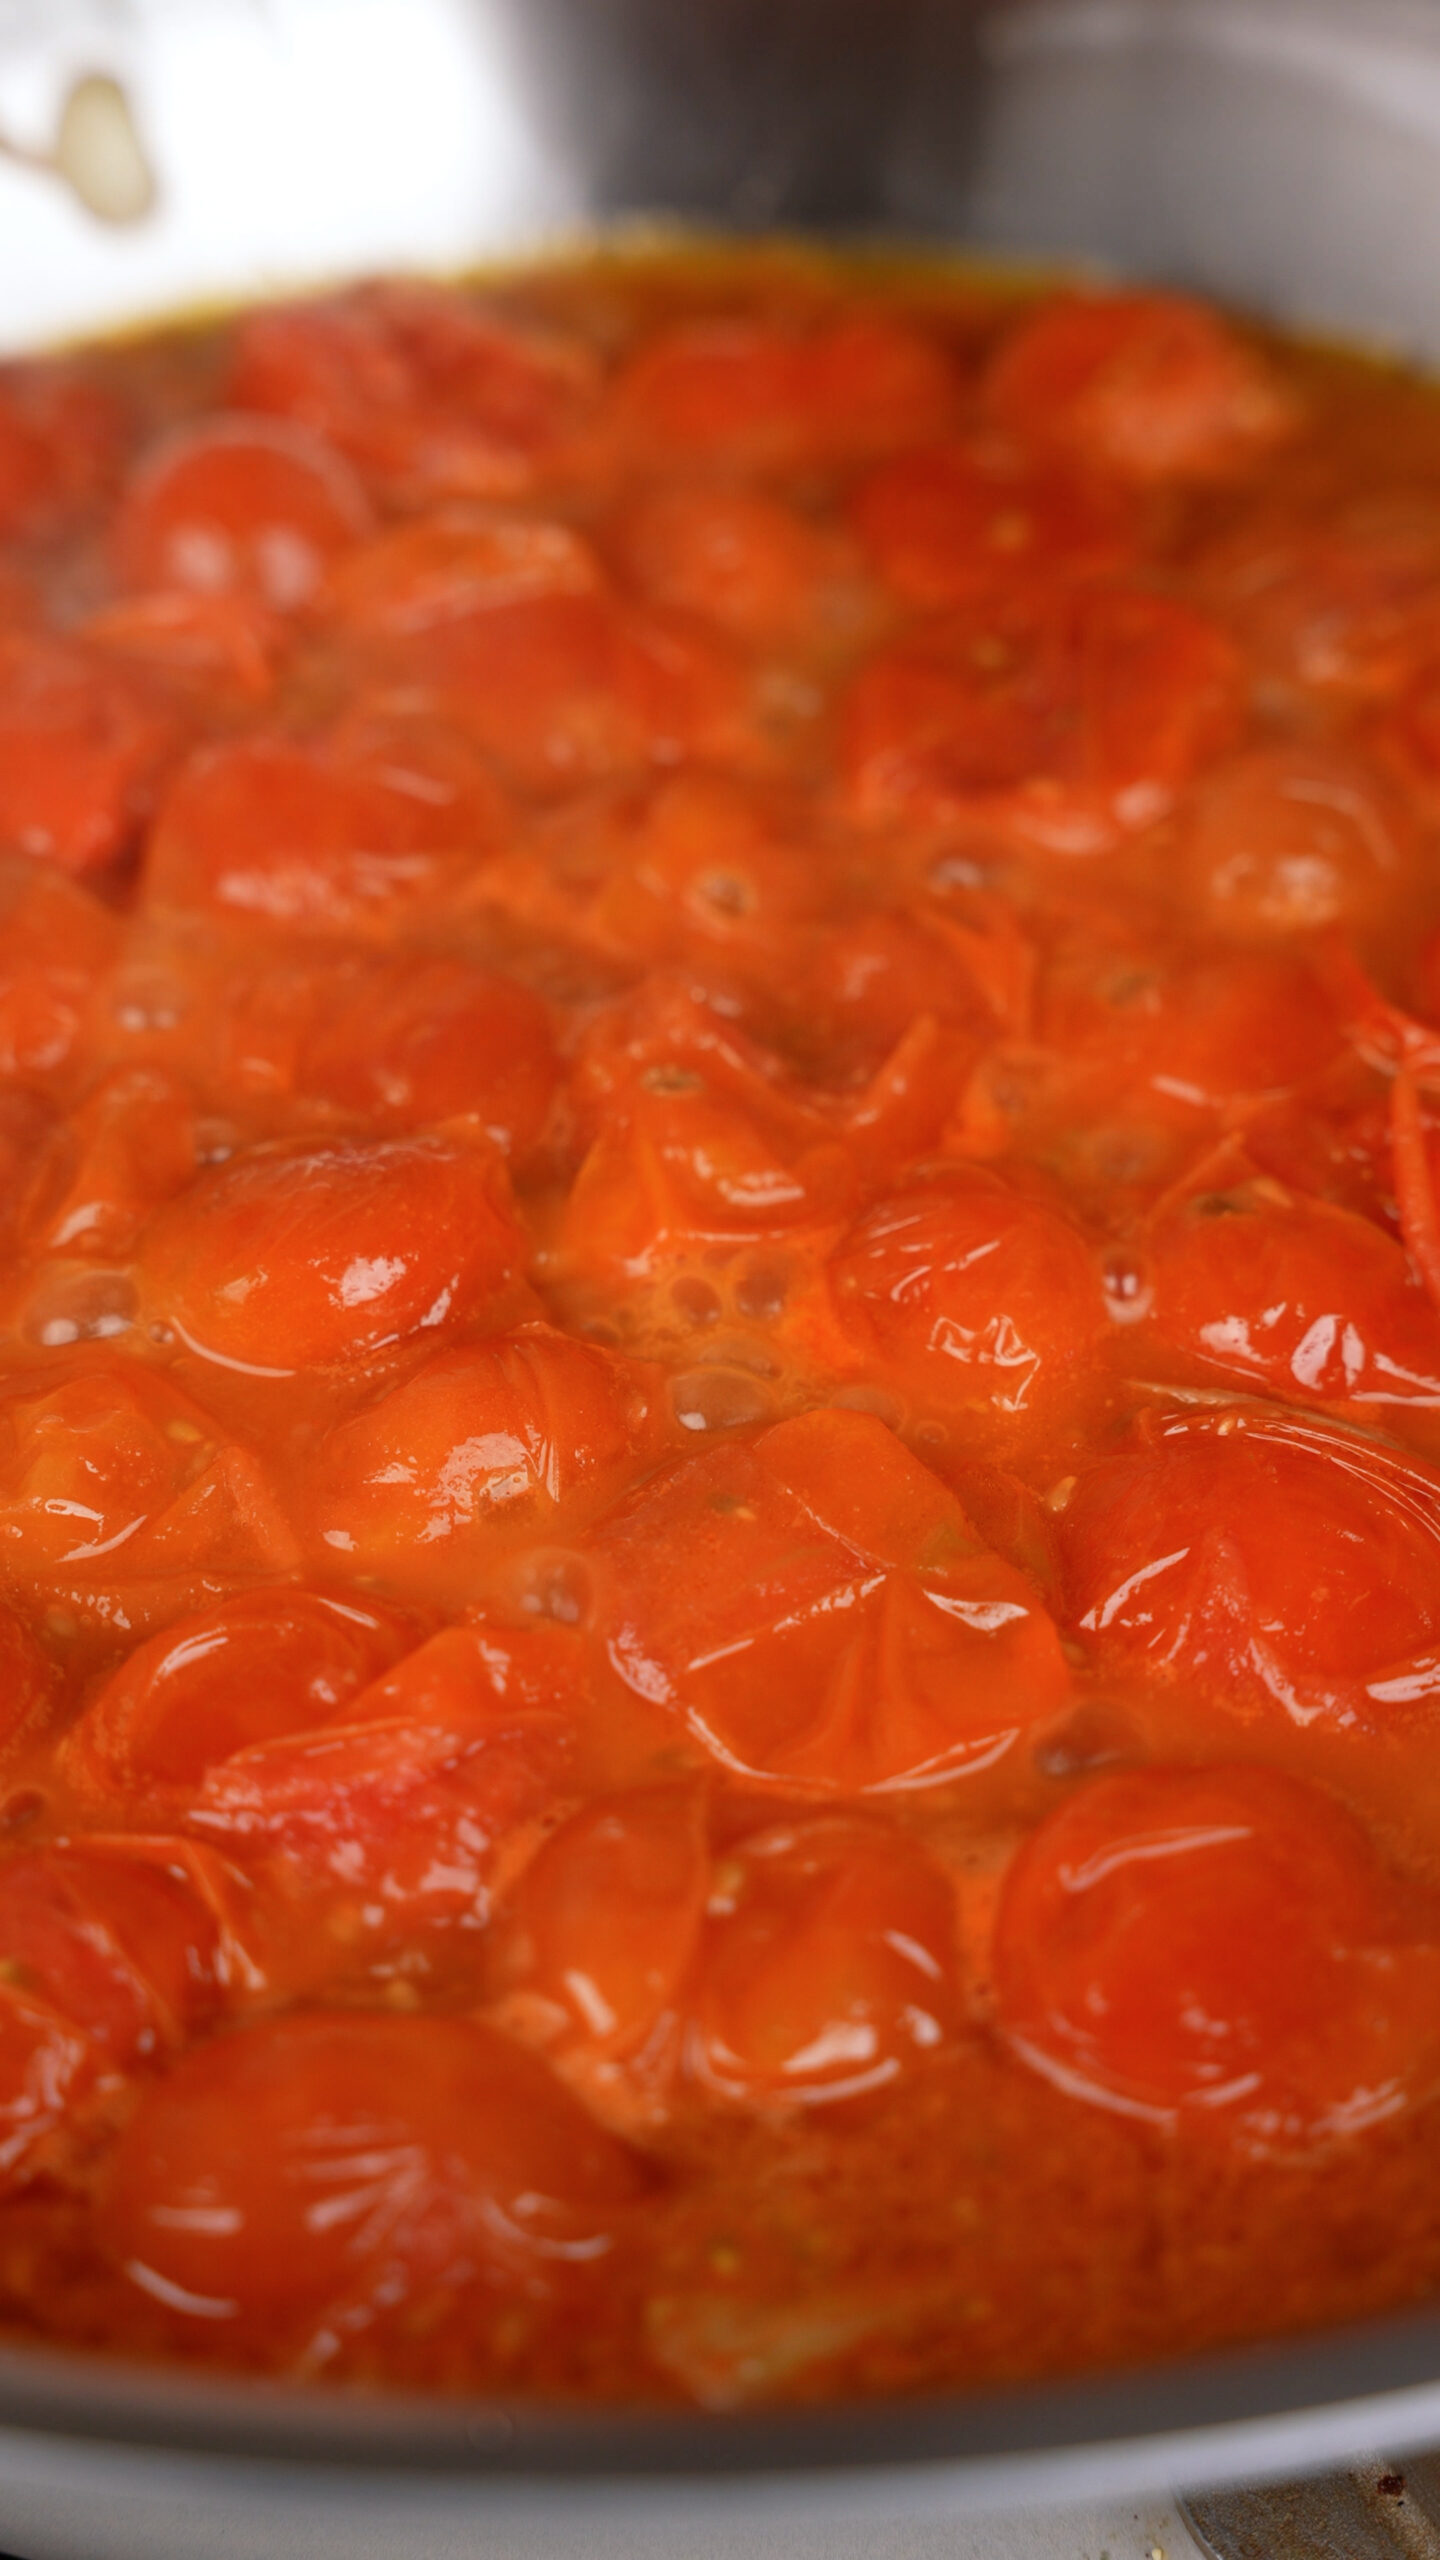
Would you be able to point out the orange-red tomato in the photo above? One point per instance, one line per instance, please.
(59, 442)
(82, 747)
(817, 1609)
(300, 1254)
(239, 506)
(829, 1964)
(966, 519)
(985, 1307)
(1338, 607)
(1215, 1947)
(329, 2171)
(445, 566)
(1069, 719)
(741, 395)
(742, 560)
(130, 1145)
(330, 836)
(1148, 386)
(429, 395)
(1288, 841)
(1270, 1561)
(515, 1434)
(262, 1663)
(115, 1938)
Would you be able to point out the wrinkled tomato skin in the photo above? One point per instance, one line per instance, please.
(1214, 1949)
(450, 2158)
(239, 507)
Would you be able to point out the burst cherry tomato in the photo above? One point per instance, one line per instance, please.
(82, 748)
(342, 2169)
(817, 1608)
(741, 395)
(965, 519)
(1268, 1559)
(741, 560)
(1216, 1947)
(1289, 840)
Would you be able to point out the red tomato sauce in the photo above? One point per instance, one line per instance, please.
(719, 1335)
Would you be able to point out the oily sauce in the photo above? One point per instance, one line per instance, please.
(719, 1334)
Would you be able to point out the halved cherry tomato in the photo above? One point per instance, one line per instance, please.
(429, 393)
(514, 1434)
(1270, 1560)
(1070, 719)
(1218, 1948)
(1149, 386)
(817, 1608)
(262, 1663)
(296, 1255)
(239, 506)
(985, 1306)
(323, 2172)
(345, 835)
(82, 747)
(829, 1965)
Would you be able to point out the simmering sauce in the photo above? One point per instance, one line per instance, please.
(719, 1334)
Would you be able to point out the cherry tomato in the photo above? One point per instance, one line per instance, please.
(512, 1434)
(130, 1145)
(1341, 606)
(215, 655)
(591, 1952)
(962, 519)
(401, 1042)
(47, 2067)
(82, 747)
(446, 566)
(1148, 386)
(711, 872)
(829, 1964)
(115, 1940)
(59, 442)
(27, 1681)
(332, 836)
(120, 1497)
(746, 395)
(756, 569)
(1294, 1296)
(239, 506)
(1215, 1947)
(262, 1663)
(297, 1255)
(1070, 719)
(1268, 1559)
(817, 1609)
(331, 2170)
(564, 690)
(1288, 840)
(430, 394)
(986, 1307)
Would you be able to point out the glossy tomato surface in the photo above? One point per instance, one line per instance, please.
(719, 1334)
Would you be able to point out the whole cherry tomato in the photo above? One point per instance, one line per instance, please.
(1148, 386)
(239, 506)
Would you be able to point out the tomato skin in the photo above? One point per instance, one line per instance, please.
(826, 1618)
(447, 2154)
(321, 836)
(115, 1941)
(985, 1306)
(82, 747)
(741, 395)
(406, 1042)
(263, 1662)
(739, 559)
(589, 1956)
(1207, 1556)
(121, 1499)
(1069, 720)
(1148, 386)
(431, 396)
(516, 1434)
(296, 1256)
(1216, 1948)
(943, 526)
(1288, 840)
(1294, 1297)
(216, 657)
(130, 1146)
(239, 507)
(445, 566)
(829, 1964)
(1338, 608)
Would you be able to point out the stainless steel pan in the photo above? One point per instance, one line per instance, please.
(1285, 153)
